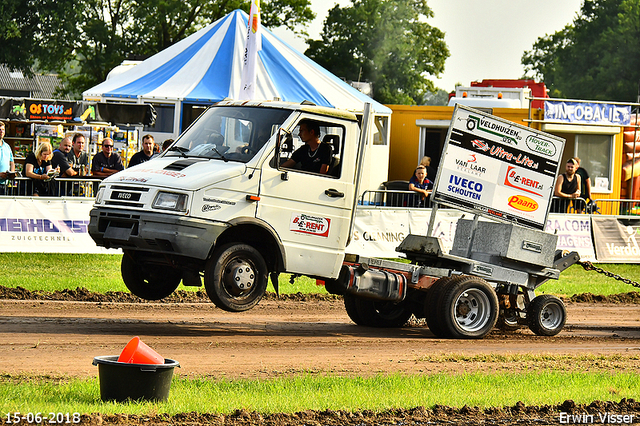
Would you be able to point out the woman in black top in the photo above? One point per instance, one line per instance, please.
(36, 167)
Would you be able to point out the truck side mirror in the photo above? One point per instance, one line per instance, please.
(284, 143)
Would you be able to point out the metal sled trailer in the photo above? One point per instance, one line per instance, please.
(487, 279)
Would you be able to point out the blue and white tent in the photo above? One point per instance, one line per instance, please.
(206, 67)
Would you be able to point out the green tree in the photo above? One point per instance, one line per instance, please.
(36, 32)
(160, 24)
(596, 57)
(83, 40)
(385, 42)
(438, 98)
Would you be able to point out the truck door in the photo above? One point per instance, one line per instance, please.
(311, 211)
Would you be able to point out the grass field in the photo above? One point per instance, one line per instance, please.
(101, 273)
(547, 381)
(311, 392)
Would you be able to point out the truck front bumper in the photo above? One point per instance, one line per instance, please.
(154, 232)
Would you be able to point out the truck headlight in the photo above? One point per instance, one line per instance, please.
(100, 195)
(170, 201)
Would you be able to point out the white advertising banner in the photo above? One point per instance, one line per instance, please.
(617, 240)
(443, 228)
(46, 226)
(61, 226)
(378, 232)
(498, 168)
(574, 234)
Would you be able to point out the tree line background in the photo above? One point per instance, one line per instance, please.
(385, 42)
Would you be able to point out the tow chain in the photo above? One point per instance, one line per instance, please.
(588, 266)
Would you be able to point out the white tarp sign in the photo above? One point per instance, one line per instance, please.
(443, 228)
(574, 234)
(378, 232)
(61, 226)
(498, 168)
(617, 240)
(46, 226)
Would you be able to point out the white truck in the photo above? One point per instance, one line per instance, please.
(218, 207)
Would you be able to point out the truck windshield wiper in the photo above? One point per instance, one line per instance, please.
(226, 160)
(180, 149)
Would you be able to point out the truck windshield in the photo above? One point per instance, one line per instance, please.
(229, 133)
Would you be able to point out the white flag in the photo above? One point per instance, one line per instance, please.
(250, 59)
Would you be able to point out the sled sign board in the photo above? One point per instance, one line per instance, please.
(498, 168)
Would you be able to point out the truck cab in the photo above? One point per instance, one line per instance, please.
(219, 205)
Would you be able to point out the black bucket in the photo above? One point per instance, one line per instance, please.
(121, 381)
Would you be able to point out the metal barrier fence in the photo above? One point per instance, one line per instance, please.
(613, 207)
(410, 199)
(58, 187)
(88, 187)
(390, 198)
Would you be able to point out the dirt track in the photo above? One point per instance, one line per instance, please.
(54, 338)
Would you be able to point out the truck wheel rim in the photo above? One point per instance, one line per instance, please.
(551, 316)
(472, 310)
(239, 277)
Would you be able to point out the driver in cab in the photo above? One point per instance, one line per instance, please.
(313, 156)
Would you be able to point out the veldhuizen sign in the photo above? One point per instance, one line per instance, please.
(498, 168)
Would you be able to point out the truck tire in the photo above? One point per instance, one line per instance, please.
(507, 317)
(382, 313)
(507, 323)
(431, 306)
(546, 315)
(149, 282)
(352, 310)
(236, 277)
(468, 308)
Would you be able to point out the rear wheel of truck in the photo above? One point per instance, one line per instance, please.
(468, 308)
(382, 313)
(546, 315)
(147, 281)
(431, 306)
(236, 277)
(352, 310)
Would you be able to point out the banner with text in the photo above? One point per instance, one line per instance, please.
(377, 233)
(616, 240)
(46, 226)
(587, 113)
(574, 234)
(61, 226)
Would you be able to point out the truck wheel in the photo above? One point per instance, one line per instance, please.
(149, 282)
(507, 317)
(507, 322)
(431, 306)
(352, 310)
(546, 315)
(383, 314)
(236, 277)
(468, 308)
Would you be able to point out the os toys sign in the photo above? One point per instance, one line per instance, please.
(498, 168)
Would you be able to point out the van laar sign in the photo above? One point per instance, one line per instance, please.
(587, 113)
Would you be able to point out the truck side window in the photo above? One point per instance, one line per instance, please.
(313, 147)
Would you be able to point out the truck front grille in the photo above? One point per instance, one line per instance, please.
(128, 196)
